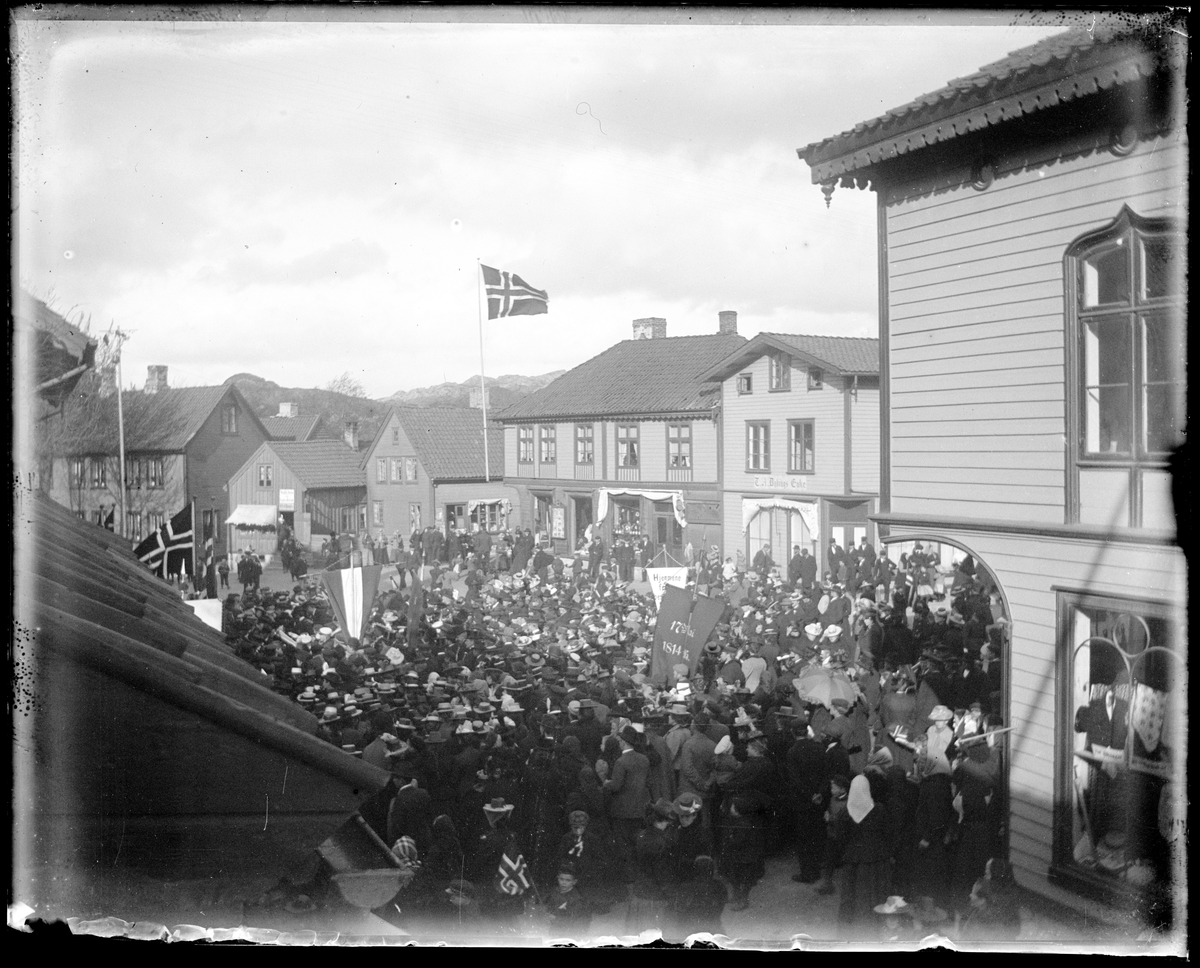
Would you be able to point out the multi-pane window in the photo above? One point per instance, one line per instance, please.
(143, 472)
(780, 371)
(229, 419)
(525, 445)
(76, 471)
(154, 521)
(410, 470)
(265, 475)
(1132, 341)
(548, 444)
(800, 446)
(155, 476)
(585, 451)
(380, 470)
(377, 512)
(679, 445)
(758, 445)
(397, 470)
(395, 436)
(816, 378)
(133, 473)
(628, 452)
(98, 467)
(745, 383)
(133, 525)
(629, 517)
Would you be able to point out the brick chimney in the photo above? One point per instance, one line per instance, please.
(652, 327)
(156, 378)
(289, 410)
(350, 434)
(728, 322)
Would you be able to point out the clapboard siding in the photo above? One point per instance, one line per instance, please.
(510, 453)
(968, 395)
(1034, 449)
(967, 330)
(989, 413)
(953, 472)
(990, 271)
(955, 296)
(864, 440)
(913, 499)
(1019, 361)
(704, 451)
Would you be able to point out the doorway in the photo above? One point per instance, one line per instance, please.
(668, 536)
(581, 519)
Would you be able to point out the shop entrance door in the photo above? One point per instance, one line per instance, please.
(580, 519)
(668, 537)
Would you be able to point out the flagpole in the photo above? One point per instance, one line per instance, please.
(482, 383)
(120, 524)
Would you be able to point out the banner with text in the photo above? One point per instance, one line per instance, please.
(660, 578)
(681, 631)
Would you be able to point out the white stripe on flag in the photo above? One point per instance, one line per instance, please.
(352, 584)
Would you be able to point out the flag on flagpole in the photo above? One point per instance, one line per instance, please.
(167, 551)
(210, 571)
(510, 295)
(352, 592)
(514, 875)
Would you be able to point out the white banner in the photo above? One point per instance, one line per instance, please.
(208, 610)
(675, 497)
(660, 578)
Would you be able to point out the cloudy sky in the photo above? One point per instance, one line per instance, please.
(298, 200)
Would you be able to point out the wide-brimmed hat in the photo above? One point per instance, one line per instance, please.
(894, 905)
(687, 804)
(498, 805)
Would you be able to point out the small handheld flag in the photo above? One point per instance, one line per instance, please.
(514, 875)
(510, 295)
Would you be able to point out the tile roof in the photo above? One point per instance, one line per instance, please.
(1116, 50)
(60, 350)
(845, 354)
(635, 377)
(291, 428)
(449, 442)
(322, 463)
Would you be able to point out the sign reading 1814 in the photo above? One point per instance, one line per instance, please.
(784, 483)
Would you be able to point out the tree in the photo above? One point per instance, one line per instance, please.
(346, 385)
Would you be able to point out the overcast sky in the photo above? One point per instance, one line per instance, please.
(297, 200)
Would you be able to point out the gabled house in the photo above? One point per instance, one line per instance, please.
(800, 431)
(627, 440)
(290, 424)
(426, 467)
(1032, 258)
(181, 446)
(316, 487)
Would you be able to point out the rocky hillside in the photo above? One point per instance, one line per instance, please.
(503, 391)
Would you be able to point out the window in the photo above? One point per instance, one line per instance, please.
(395, 436)
(547, 444)
(397, 470)
(679, 445)
(229, 419)
(155, 472)
(456, 517)
(745, 383)
(629, 517)
(154, 521)
(585, 451)
(816, 378)
(781, 371)
(143, 472)
(542, 503)
(99, 471)
(1121, 808)
(133, 473)
(525, 445)
(265, 474)
(76, 471)
(489, 516)
(800, 446)
(627, 445)
(758, 445)
(380, 470)
(410, 470)
(377, 512)
(133, 526)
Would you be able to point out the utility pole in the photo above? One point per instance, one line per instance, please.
(118, 339)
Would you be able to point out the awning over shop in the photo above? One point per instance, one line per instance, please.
(250, 517)
(675, 497)
(806, 509)
(505, 504)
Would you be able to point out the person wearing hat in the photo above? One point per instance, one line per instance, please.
(411, 812)
(462, 907)
(743, 849)
(935, 813)
(654, 886)
(628, 789)
(691, 837)
(808, 785)
(862, 876)
(569, 910)
(499, 840)
(587, 850)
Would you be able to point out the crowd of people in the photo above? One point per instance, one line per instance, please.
(849, 722)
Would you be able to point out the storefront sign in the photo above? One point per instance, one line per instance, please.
(558, 518)
(781, 483)
(660, 578)
(287, 499)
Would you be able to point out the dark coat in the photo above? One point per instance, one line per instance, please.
(628, 786)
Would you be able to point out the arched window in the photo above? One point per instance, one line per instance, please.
(1127, 336)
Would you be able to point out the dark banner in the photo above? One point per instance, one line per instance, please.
(681, 630)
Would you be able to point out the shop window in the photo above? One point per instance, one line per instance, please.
(745, 383)
(679, 445)
(628, 518)
(1127, 334)
(548, 443)
(585, 451)
(628, 452)
(801, 456)
(758, 445)
(780, 372)
(1119, 824)
(525, 445)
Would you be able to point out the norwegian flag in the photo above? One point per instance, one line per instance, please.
(514, 875)
(510, 295)
(167, 551)
(352, 592)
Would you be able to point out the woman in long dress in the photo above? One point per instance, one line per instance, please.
(862, 878)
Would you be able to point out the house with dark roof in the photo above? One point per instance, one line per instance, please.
(627, 440)
(427, 466)
(290, 424)
(800, 438)
(1032, 263)
(314, 487)
(181, 445)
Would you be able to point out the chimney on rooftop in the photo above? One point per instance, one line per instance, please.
(652, 327)
(156, 378)
(728, 322)
(289, 410)
(350, 434)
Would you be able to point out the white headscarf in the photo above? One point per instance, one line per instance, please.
(859, 802)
